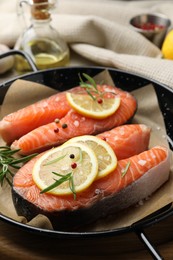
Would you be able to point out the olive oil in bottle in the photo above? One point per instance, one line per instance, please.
(41, 41)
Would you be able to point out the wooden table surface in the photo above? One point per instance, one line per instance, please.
(16, 243)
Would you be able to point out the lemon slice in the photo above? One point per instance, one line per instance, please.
(107, 160)
(76, 165)
(85, 105)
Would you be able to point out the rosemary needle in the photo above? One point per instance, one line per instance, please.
(124, 171)
(64, 178)
(8, 162)
(90, 87)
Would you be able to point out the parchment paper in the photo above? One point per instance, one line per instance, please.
(22, 93)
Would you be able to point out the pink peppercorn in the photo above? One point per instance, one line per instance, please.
(100, 101)
(56, 130)
(73, 165)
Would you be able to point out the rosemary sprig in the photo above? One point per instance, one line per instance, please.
(64, 178)
(8, 162)
(124, 171)
(90, 87)
(72, 186)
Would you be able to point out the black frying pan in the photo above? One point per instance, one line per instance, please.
(65, 78)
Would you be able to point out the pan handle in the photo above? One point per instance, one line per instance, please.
(24, 54)
(151, 249)
(138, 227)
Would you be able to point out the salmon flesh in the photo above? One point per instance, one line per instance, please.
(147, 171)
(74, 124)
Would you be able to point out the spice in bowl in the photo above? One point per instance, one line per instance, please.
(150, 26)
(153, 26)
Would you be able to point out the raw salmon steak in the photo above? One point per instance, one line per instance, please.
(74, 124)
(18, 123)
(146, 173)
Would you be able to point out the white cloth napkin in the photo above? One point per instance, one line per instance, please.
(99, 31)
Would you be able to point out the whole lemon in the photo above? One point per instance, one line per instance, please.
(167, 47)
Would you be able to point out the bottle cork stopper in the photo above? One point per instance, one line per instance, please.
(40, 9)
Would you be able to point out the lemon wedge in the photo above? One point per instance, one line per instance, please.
(107, 160)
(99, 108)
(67, 169)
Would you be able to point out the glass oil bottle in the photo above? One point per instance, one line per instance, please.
(41, 41)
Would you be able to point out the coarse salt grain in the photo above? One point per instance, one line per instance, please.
(142, 162)
(98, 191)
(44, 105)
(57, 99)
(141, 203)
(122, 131)
(76, 123)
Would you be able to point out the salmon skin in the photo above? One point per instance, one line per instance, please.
(146, 173)
(74, 124)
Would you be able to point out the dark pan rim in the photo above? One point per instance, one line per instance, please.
(150, 220)
(99, 68)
